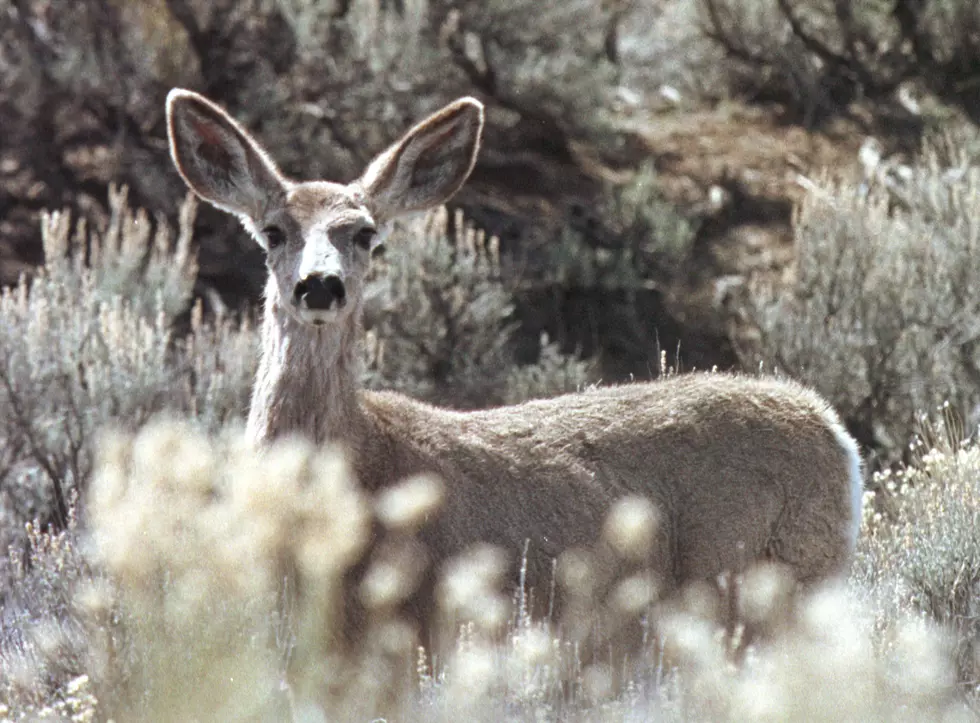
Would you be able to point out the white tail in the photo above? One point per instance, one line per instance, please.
(741, 469)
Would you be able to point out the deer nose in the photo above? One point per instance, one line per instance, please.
(318, 293)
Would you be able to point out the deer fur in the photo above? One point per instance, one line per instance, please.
(741, 469)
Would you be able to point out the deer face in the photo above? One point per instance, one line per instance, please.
(319, 242)
(319, 236)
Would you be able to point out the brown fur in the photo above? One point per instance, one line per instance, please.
(742, 469)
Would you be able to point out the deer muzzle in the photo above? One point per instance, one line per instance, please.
(320, 293)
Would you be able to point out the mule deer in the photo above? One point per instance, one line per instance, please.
(741, 468)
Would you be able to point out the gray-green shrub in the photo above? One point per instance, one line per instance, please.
(89, 340)
(440, 321)
(881, 314)
(920, 545)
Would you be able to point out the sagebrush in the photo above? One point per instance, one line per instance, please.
(880, 313)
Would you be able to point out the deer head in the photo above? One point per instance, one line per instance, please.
(319, 236)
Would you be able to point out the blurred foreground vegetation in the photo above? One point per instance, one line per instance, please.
(172, 606)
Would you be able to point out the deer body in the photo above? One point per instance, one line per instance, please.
(742, 469)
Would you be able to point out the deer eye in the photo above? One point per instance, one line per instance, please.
(364, 237)
(274, 235)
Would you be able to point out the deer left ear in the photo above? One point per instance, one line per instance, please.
(429, 164)
(218, 158)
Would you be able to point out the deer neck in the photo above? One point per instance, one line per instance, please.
(308, 378)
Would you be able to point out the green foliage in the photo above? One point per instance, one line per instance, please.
(649, 226)
(645, 238)
(553, 373)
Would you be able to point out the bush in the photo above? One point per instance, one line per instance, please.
(605, 283)
(920, 545)
(90, 341)
(173, 538)
(439, 321)
(45, 640)
(819, 56)
(881, 314)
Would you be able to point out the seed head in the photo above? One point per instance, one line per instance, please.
(407, 506)
(631, 527)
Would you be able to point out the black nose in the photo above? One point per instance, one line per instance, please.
(318, 293)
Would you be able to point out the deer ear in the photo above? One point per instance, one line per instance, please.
(217, 158)
(429, 164)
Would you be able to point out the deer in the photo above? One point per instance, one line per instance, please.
(740, 468)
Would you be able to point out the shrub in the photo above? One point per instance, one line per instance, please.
(45, 640)
(819, 56)
(881, 314)
(609, 277)
(174, 537)
(90, 341)
(920, 548)
(439, 321)
(654, 236)
(644, 239)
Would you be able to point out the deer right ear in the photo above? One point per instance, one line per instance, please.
(217, 158)
(429, 164)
